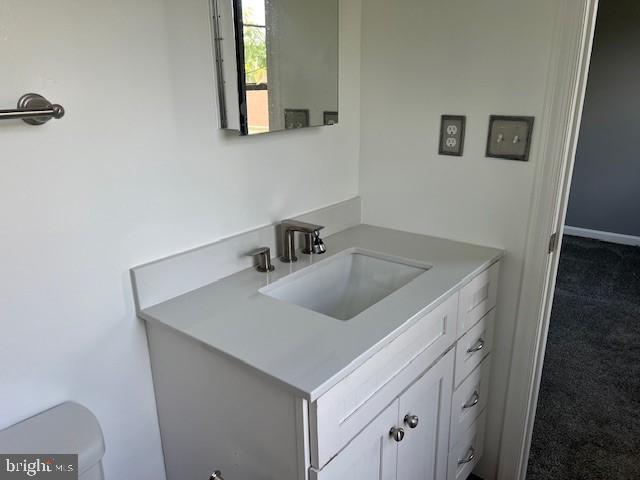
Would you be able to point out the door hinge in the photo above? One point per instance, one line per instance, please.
(553, 242)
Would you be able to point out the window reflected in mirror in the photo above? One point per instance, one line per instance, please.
(255, 65)
(287, 52)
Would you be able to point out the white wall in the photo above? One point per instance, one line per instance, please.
(137, 170)
(424, 59)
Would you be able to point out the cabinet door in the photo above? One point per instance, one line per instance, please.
(371, 455)
(425, 410)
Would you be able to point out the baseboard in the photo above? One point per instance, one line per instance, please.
(604, 236)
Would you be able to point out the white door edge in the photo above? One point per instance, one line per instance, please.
(566, 87)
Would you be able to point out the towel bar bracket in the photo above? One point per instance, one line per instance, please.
(33, 109)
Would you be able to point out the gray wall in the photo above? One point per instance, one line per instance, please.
(605, 193)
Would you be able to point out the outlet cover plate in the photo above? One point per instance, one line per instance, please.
(452, 129)
(510, 137)
(296, 118)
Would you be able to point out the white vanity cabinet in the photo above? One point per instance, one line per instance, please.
(408, 440)
(413, 410)
(341, 413)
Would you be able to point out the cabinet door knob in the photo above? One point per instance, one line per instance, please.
(411, 420)
(471, 455)
(473, 401)
(217, 475)
(397, 433)
(479, 345)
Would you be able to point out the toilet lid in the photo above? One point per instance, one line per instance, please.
(67, 428)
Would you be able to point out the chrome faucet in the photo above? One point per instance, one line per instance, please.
(313, 242)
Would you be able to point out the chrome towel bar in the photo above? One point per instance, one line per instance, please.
(33, 109)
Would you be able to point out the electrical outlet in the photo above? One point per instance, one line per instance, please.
(510, 137)
(452, 135)
(296, 118)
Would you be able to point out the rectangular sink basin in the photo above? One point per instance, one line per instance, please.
(347, 284)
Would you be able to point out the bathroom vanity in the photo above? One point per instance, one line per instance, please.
(371, 361)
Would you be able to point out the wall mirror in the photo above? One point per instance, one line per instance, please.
(276, 64)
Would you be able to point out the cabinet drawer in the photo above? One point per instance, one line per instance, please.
(477, 298)
(474, 346)
(338, 415)
(469, 400)
(466, 454)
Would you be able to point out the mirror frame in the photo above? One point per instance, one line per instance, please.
(238, 24)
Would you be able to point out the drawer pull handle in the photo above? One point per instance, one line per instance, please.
(475, 398)
(217, 475)
(397, 433)
(471, 455)
(411, 421)
(479, 345)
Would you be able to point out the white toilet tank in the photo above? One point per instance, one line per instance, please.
(67, 428)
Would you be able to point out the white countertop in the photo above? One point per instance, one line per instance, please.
(306, 351)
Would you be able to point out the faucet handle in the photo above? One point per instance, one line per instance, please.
(264, 259)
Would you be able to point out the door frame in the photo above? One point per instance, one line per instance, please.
(566, 86)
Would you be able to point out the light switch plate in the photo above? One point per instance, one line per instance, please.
(330, 118)
(452, 135)
(509, 137)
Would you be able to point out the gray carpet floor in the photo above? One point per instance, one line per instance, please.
(588, 418)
